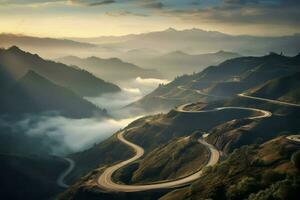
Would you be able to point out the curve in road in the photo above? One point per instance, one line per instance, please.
(294, 138)
(64, 174)
(105, 179)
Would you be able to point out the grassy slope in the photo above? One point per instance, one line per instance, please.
(285, 89)
(178, 158)
(263, 172)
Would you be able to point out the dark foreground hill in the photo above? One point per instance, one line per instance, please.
(17, 62)
(29, 177)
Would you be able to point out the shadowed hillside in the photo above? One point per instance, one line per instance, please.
(284, 89)
(17, 62)
(40, 95)
(29, 177)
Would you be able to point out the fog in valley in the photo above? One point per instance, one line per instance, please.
(63, 135)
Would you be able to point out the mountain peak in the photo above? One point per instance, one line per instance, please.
(171, 29)
(14, 49)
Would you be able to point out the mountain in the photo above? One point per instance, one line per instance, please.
(110, 69)
(200, 41)
(225, 80)
(254, 151)
(38, 94)
(283, 89)
(45, 46)
(178, 62)
(17, 62)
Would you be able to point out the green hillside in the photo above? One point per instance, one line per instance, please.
(260, 172)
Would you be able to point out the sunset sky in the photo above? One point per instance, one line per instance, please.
(90, 18)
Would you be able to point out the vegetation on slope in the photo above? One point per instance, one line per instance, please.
(178, 158)
(268, 171)
(283, 89)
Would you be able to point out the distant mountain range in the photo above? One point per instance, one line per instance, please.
(112, 69)
(17, 63)
(197, 41)
(52, 47)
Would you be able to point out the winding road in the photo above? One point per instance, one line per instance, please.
(105, 179)
(294, 138)
(64, 174)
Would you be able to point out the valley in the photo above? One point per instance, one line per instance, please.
(149, 100)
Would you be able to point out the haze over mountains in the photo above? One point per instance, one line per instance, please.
(197, 41)
(17, 62)
(112, 69)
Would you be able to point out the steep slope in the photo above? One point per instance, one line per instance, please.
(33, 93)
(223, 81)
(268, 171)
(29, 177)
(284, 89)
(17, 63)
(110, 69)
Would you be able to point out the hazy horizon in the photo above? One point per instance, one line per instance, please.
(62, 18)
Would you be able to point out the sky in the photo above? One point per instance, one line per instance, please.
(92, 18)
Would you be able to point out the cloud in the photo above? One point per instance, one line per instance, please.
(154, 5)
(92, 2)
(28, 2)
(125, 13)
(242, 12)
(64, 135)
(151, 81)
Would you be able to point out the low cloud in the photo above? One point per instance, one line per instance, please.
(151, 81)
(65, 135)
